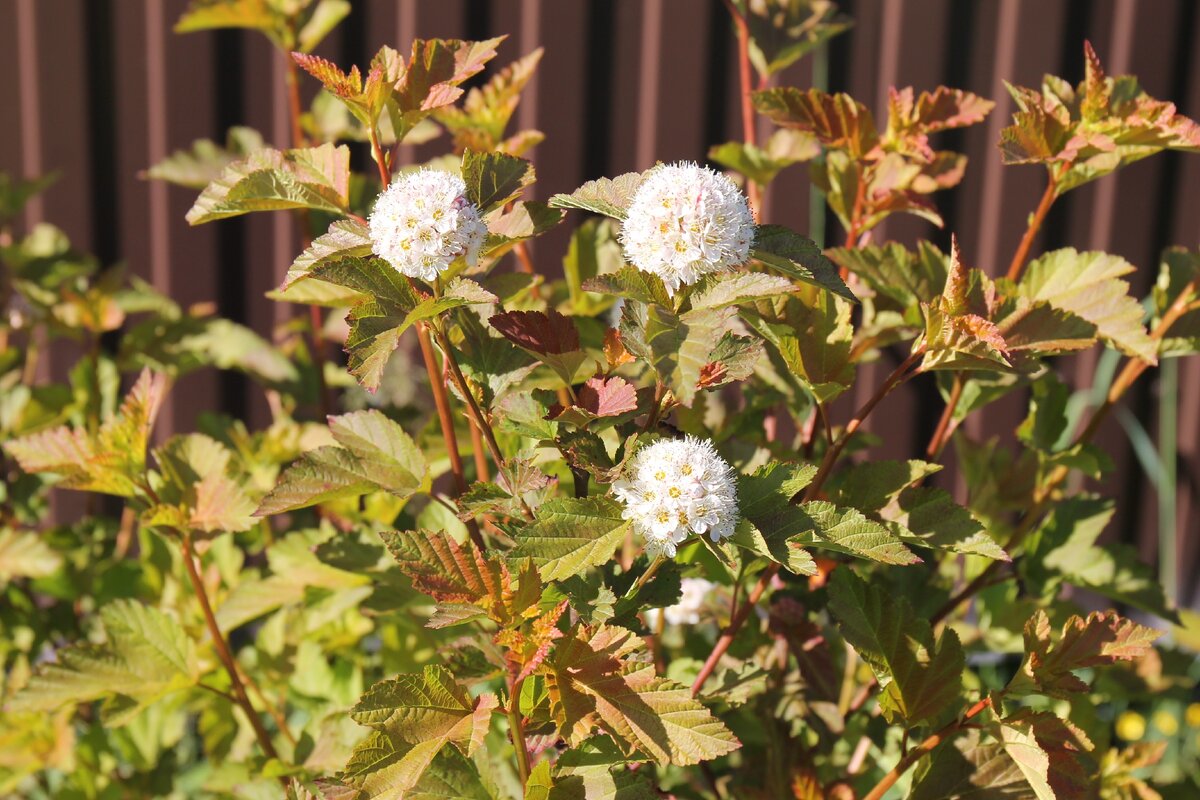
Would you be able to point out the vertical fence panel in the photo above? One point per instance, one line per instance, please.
(663, 81)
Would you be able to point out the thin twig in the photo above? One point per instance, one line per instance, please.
(1133, 369)
(476, 413)
(645, 577)
(898, 376)
(749, 135)
(517, 731)
(941, 434)
(223, 651)
(1035, 224)
(922, 749)
(945, 426)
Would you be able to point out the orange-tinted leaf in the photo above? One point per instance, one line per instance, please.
(837, 120)
(1099, 639)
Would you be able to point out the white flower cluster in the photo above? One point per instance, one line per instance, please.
(687, 611)
(674, 488)
(423, 222)
(686, 221)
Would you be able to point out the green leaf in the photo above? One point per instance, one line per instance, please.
(1064, 549)
(918, 677)
(1096, 640)
(204, 163)
(769, 520)
(493, 179)
(1179, 268)
(594, 250)
(680, 347)
(202, 15)
(929, 517)
(735, 288)
(593, 685)
(846, 530)
(324, 17)
(147, 655)
(872, 485)
(394, 461)
(346, 238)
(798, 257)
(761, 165)
(316, 178)
(299, 568)
(25, 555)
(1087, 285)
(426, 707)
(376, 454)
(905, 278)
(813, 335)
(571, 535)
(919, 515)
(971, 769)
(780, 35)
(610, 197)
(111, 461)
(15, 193)
(597, 770)
(633, 284)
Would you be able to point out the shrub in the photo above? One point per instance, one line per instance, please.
(617, 547)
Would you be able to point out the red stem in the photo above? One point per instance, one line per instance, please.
(900, 374)
(223, 652)
(924, 748)
(749, 134)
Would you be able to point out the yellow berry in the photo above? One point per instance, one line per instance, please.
(1131, 726)
(1166, 722)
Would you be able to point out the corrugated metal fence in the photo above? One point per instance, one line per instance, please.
(100, 89)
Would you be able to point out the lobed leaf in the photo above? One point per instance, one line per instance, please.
(147, 655)
(918, 677)
(1096, 640)
(316, 178)
(798, 257)
(572, 534)
(592, 684)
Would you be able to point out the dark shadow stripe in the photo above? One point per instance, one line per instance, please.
(597, 112)
(716, 79)
(1076, 25)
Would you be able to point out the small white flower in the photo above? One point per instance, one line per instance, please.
(686, 221)
(675, 488)
(687, 611)
(423, 222)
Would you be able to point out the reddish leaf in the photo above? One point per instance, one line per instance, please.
(712, 374)
(436, 69)
(607, 397)
(544, 333)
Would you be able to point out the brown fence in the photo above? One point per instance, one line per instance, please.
(99, 89)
